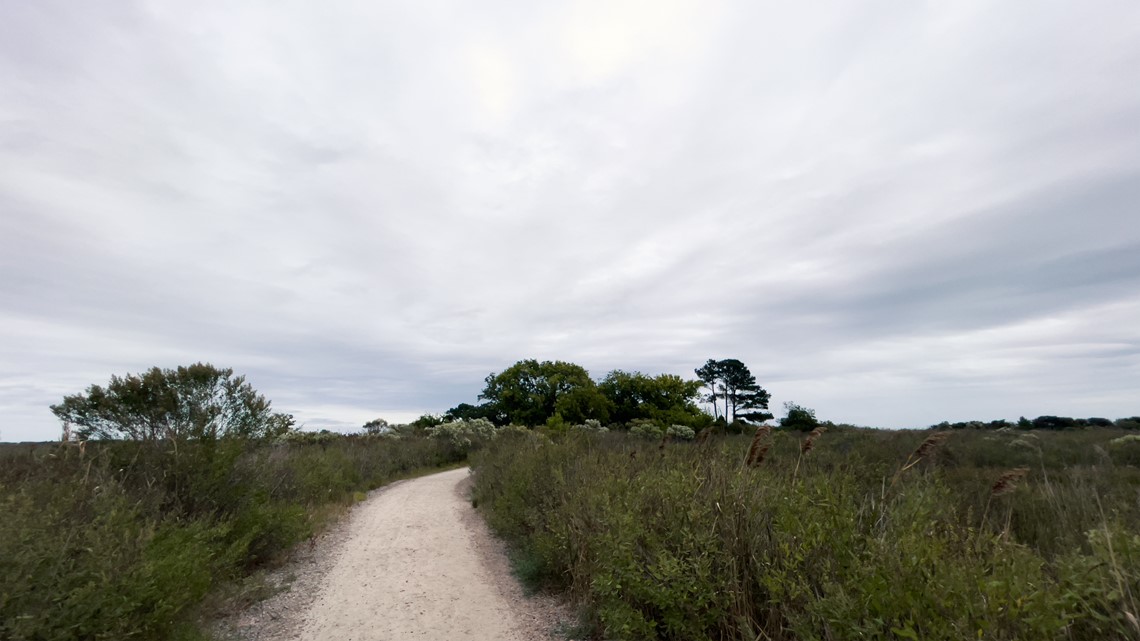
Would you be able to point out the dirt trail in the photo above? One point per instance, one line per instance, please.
(413, 561)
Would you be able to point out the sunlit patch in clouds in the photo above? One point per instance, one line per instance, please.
(895, 215)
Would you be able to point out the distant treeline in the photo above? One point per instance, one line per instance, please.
(556, 393)
(1042, 423)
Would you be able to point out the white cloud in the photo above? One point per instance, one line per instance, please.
(894, 215)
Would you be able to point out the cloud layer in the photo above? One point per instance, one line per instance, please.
(894, 214)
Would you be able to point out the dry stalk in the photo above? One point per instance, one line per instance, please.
(704, 435)
(925, 449)
(809, 442)
(1007, 482)
(755, 455)
(807, 446)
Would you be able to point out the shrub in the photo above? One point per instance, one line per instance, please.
(681, 432)
(646, 429)
(687, 543)
(199, 402)
(122, 540)
(464, 434)
(799, 418)
(591, 425)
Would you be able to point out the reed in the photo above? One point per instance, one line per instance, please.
(758, 449)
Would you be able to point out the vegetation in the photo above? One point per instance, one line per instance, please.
(840, 534)
(531, 393)
(559, 394)
(123, 539)
(199, 402)
(666, 399)
(799, 418)
(731, 381)
(629, 496)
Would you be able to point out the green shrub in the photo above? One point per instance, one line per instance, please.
(681, 432)
(123, 540)
(645, 429)
(688, 543)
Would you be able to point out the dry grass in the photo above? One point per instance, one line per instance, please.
(809, 442)
(759, 448)
(921, 453)
(1007, 482)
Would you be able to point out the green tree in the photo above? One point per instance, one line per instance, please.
(666, 398)
(469, 412)
(199, 402)
(530, 393)
(377, 426)
(799, 418)
(710, 376)
(426, 420)
(731, 381)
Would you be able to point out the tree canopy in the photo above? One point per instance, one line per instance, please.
(199, 401)
(730, 381)
(531, 392)
(799, 418)
(667, 399)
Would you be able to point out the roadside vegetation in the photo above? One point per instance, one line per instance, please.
(837, 533)
(170, 486)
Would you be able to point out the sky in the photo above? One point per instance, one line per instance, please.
(895, 213)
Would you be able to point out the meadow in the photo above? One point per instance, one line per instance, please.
(841, 534)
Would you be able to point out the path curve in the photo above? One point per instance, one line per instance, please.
(412, 567)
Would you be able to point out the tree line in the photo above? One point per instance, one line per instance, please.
(201, 402)
(534, 393)
(1042, 423)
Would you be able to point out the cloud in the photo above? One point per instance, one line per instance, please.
(894, 215)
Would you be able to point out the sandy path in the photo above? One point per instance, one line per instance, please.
(412, 565)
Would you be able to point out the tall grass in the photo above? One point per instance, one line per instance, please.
(123, 540)
(817, 542)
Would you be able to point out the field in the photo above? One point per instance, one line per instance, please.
(142, 540)
(863, 534)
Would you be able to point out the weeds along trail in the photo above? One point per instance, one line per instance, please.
(844, 534)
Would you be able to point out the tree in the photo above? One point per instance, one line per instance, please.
(377, 426)
(426, 420)
(710, 376)
(468, 412)
(799, 418)
(730, 380)
(200, 402)
(530, 393)
(666, 398)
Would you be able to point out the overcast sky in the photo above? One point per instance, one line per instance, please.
(896, 213)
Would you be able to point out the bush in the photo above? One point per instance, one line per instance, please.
(122, 540)
(799, 418)
(591, 425)
(646, 429)
(464, 434)
(681, 432)
(688, 543)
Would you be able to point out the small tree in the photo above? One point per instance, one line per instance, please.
(799, 418)
(199, 402)
(377, 426)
